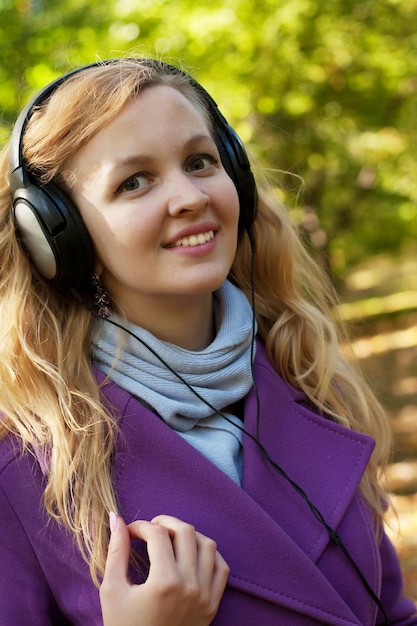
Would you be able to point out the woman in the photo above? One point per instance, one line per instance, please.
(134, 381)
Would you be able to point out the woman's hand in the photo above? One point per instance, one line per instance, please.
(186, 581)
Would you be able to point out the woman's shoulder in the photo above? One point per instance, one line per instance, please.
(117, 400)
(10, 450)
(265, 371)
(21, 492)
(18, 466)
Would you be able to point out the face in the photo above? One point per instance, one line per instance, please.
(158, 204)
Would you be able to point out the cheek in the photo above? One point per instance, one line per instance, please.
(117, 228)
(230, 201)
(235, 211)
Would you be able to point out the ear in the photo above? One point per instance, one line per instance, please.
(98, 267)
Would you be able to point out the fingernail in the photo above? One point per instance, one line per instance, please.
(112, 521)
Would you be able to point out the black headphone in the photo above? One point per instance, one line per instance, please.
(50, 225)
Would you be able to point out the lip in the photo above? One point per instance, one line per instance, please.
(195, 229)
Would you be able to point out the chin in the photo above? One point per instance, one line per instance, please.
(212, 285)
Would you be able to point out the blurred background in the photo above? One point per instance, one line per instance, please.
(324, 94)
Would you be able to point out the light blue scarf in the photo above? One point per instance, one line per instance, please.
(221, 374)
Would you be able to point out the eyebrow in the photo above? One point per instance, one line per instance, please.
(143, 160)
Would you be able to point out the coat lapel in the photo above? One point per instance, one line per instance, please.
(263, 529)
(323, 458)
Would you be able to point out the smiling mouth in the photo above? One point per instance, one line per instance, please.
(193, 240)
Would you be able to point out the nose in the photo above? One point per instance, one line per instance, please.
(185, 195)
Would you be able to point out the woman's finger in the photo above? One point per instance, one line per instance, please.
(115, 580)
(117, 560)
(219, 580)
(184, 541)
(160, 547)
(209, 566)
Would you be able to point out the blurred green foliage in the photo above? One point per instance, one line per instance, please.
(324, 94)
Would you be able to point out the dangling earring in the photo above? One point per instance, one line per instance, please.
(101, 300)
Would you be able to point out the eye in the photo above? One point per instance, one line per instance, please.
(134, 183)
(201, 162)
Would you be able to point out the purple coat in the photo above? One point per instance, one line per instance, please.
(284, 570)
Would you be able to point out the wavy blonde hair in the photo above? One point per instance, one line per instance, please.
(49, 396)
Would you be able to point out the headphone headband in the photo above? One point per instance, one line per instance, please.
(16, 156)
(50, 225)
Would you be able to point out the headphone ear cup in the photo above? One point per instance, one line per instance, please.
(236, 163)
(51, 229)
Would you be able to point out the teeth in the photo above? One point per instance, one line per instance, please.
(195, 240)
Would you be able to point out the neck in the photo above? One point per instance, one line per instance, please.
(189, 325)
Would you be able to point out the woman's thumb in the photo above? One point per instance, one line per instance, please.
(117, 561)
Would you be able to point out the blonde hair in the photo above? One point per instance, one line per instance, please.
(49, 396)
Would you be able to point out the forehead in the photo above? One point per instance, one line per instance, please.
(156, 108)
(159, 118)
(161, 106)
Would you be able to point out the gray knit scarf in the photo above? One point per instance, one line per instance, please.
(221, 374)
